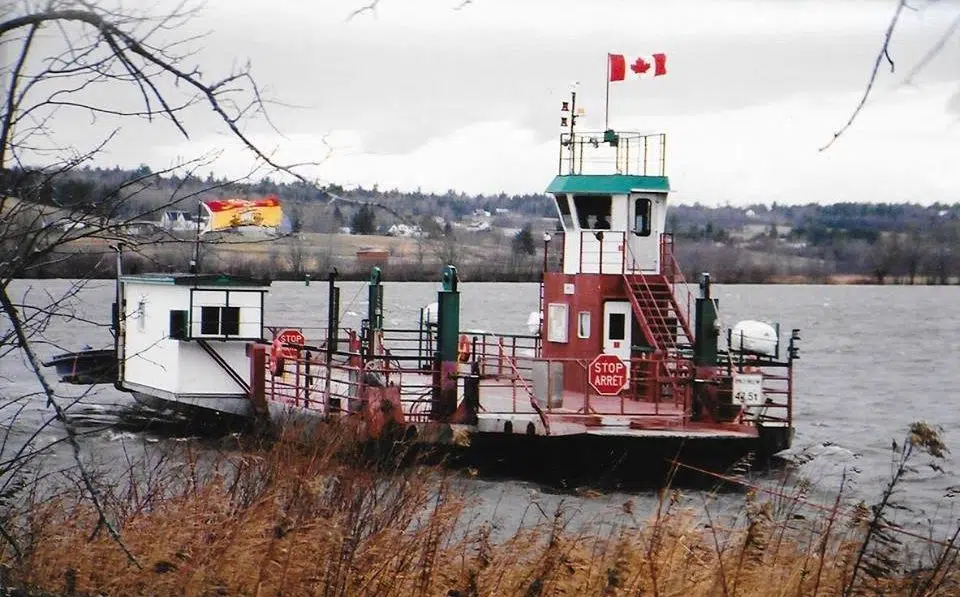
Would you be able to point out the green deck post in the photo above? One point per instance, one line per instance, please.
(333, 333)
(333, 315)
(448, 332)
(705, 331)
(448, 315)
(375, 304)
(374, 311)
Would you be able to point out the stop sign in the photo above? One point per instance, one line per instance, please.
(290, 336)
(607, 374)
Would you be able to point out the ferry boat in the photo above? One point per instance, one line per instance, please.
(627, 374)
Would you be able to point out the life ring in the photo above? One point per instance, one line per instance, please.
(463, 349)
(276, 358)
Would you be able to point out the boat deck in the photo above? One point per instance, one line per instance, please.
(507, 406)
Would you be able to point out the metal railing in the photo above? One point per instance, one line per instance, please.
(675, 301)
(609, 152)
(675, 279)
(531, 395)
(648, 393)
(416, 346)
(602, 251)
(777, 388)
(660, 388)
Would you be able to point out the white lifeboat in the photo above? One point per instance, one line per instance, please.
(533, 321)
(756, 337)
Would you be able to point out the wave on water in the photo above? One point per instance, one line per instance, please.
(112, 436)
(128, 421)
(823, 461)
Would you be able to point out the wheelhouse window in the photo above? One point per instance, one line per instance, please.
(593, 211)
(563, 206)
(641, 216)
(226, 314)
(230, 321)
(220, 321)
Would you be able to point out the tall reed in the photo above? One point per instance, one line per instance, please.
(323, 518)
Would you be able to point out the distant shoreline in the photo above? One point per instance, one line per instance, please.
(401, 260)
(352, 275)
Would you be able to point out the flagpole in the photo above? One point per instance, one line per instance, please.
(606, 105)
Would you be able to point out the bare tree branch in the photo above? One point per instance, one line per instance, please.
(108, 48)
(934, 50)
(883, 54)
(371, 8)
(11, 311)
(12, 94)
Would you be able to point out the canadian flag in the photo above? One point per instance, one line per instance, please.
(653, 65)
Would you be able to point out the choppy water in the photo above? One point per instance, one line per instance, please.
(873, 359)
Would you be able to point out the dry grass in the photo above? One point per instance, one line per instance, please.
(292, 520)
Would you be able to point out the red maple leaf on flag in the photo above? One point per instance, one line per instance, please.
(640, 66)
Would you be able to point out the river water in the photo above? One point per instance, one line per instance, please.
(873, 359)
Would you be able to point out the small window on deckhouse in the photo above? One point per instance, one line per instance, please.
(583, 324)
(618, 326)
(641, 217)
(563, 206)
(593, 211)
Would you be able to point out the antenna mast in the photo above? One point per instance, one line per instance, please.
(568, 117)
(573, 122)
(195, 262)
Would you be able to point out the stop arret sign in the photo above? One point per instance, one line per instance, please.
(290, 336)
(607, 374)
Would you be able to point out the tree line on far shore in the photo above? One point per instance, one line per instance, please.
(904, 243)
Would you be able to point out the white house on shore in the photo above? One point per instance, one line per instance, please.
(179, 221)
(405, 230)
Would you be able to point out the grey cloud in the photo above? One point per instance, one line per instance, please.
(418, 72)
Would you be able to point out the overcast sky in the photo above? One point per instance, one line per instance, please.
(418, 94)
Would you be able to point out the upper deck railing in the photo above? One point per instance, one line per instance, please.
(612, 152)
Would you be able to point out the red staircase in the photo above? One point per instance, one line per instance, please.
(655, 307)
(667, 331)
